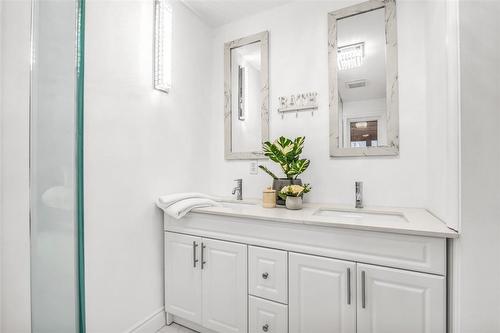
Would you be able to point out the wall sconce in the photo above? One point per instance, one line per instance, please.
(163, 46)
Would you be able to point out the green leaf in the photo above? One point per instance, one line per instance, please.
(284, 143)
(272, 152)
(298, 167)
(269, 172)
(298, 145)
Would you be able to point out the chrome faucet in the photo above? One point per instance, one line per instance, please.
(359, 194)
(238, 190)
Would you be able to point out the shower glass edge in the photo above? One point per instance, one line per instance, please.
(56, 166)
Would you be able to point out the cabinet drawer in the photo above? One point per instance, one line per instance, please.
(267, 316)
(268, 273)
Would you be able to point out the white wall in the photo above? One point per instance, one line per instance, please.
(442, 107)
(14, 216)
(478, 246)
(299, 63)
(139, 144)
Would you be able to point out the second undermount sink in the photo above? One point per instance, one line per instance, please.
(361, 215)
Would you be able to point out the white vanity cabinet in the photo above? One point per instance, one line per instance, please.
(206, 282)
(241, 274)
(323, 298)
(322, 295)
(224, 286)
(395, 301)
(182, 276)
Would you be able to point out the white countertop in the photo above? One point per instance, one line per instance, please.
(409, 221)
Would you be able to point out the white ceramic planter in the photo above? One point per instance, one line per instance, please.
(294, 203)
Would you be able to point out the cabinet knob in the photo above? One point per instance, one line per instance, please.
(265, 328)
(265, 275)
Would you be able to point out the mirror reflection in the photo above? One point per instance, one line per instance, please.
(245, 98)
(361, 80)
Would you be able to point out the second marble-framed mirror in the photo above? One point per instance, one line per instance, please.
(246, 96)
(363, 79)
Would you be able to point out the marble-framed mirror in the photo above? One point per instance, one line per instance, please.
(246, 96)
(363, 80)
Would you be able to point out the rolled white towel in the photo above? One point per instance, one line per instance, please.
(182, 207)
(166, 201)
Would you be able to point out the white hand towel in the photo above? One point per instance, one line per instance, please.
(167, 200)
(182, 207)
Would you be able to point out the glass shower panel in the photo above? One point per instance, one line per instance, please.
(54, 168)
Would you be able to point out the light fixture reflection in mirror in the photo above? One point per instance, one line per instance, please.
(350, 56)
(241, 92)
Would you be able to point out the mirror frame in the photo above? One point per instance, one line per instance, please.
(263, 39)
(392, 90)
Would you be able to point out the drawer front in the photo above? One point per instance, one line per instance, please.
(268, 273)
(267, 316)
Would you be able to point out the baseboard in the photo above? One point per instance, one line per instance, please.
(151, 324)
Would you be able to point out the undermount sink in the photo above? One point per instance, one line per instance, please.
(368, 216)
(235, 204)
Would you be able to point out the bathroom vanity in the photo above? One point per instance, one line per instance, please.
(244, 268)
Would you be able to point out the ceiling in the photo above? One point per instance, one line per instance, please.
(219, 12)
(369, 28)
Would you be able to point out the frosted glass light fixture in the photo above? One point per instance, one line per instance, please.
(350, 56)
(163, 46)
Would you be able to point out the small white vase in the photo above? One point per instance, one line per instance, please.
(294, 203)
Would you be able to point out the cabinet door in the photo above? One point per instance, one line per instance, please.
(182, 278)
(224, 281)
(322, 295)
(395, 301)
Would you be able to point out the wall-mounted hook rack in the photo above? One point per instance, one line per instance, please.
(298, 103)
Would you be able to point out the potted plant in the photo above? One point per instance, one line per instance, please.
(292, 194)
(286, 153)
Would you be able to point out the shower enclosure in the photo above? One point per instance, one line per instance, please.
(56, 166)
